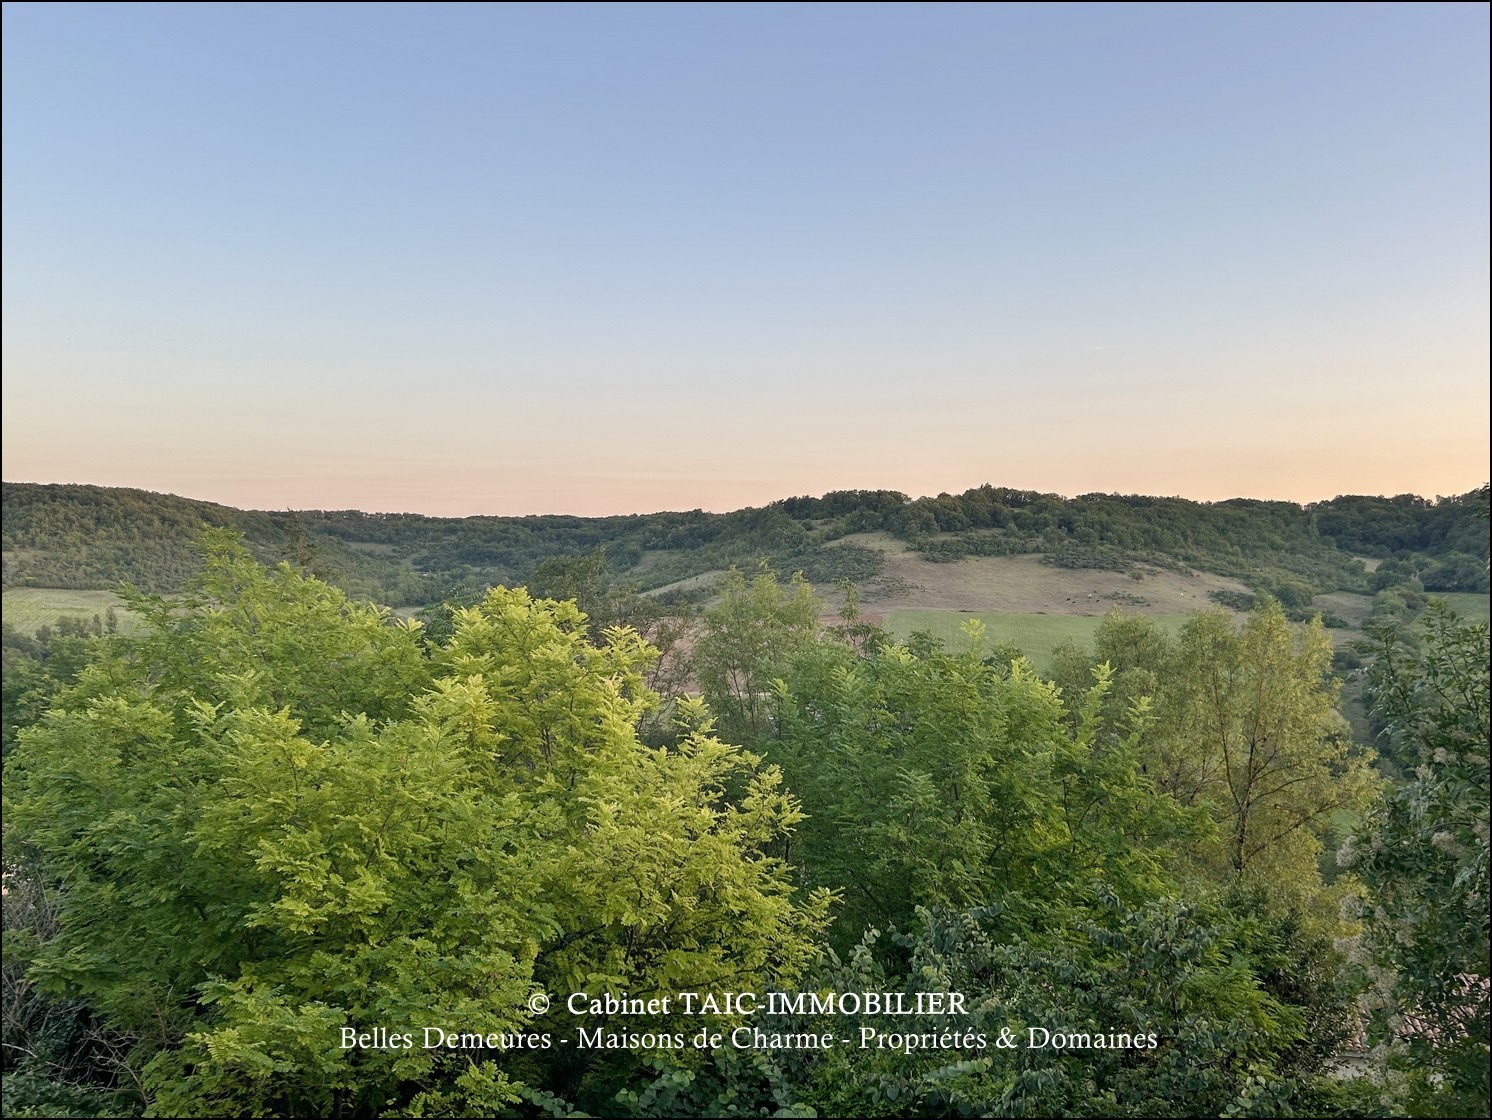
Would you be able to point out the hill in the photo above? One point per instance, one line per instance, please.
(986, 549)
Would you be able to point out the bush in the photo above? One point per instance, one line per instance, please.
(1233, 600)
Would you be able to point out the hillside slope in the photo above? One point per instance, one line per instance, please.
(92, 538)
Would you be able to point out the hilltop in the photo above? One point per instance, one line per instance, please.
(989, 549)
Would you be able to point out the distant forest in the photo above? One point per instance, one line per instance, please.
(93, 537)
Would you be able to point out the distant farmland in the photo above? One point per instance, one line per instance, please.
(27, 608)
(1468, 604)
(1036, 634)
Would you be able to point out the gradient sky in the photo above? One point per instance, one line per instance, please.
(463, 259)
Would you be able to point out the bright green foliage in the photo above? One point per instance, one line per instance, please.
(745, 641)
(1245, 727)
(37, 666)
(608, 603)
(1255, 736)
(1423, 855)
(273, 817)
(934, 778)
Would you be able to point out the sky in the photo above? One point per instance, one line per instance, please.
(604, 259)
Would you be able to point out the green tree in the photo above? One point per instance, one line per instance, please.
(1245, 727)
(744, 642)
(1423, 853)
(939, 779)
(1137, 652)
(273, 817)
(1225, 1041)
(1248, 727)
(579, 577)
(585, 580)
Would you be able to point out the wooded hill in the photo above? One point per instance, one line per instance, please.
(94, 537)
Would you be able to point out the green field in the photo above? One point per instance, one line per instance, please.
(27, 608)
(1036, 634)
(1468, 604)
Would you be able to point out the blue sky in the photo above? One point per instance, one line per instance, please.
(466, 259)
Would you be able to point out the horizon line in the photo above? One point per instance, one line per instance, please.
(1435, 500)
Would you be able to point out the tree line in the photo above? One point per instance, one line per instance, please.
(95, 537)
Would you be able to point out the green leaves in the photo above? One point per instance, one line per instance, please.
(1423, 854)
(273, 817)
(937, 779)
(745, 641)
(1243, 729)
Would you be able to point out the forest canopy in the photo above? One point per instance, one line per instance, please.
(272, 815)
(276, 815)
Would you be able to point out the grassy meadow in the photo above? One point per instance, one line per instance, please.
(27, 608)
(1037, 635)
(1468, 604)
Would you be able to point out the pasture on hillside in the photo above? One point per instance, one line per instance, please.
(27, 608)
(1025, 585)
(1036, 635)
(1468, 604)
